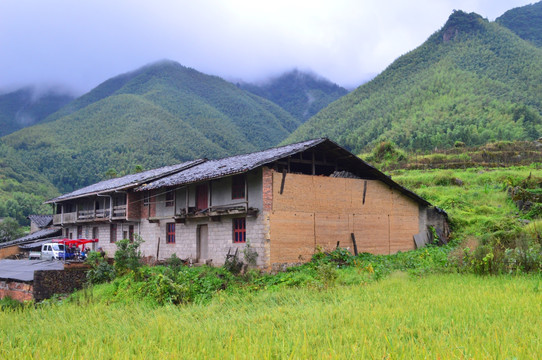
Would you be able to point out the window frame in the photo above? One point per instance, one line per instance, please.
(239, 227)
(170, 198)
(146, 198)
(238, 186)
(170, 233)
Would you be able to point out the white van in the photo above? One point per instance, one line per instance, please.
(52, 251)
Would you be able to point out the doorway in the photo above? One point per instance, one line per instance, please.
(202, 243)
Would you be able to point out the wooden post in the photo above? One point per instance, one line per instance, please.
(355, 245)
(364, 191)
(282, 182)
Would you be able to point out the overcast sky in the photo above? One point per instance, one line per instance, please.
(83, 43)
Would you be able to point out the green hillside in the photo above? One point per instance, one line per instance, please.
(301, 94)
(526, 21)
(26, 107)
(160, 114)
(471, 81)
(22, 190)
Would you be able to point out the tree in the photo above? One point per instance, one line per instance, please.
(10, 230)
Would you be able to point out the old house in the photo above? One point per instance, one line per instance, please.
(284, 201)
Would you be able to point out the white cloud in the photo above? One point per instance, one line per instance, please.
(83, 43)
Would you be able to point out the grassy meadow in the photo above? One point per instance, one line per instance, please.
(442, 316)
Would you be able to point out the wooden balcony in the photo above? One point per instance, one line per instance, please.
(82, 216)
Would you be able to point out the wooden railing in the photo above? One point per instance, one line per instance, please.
(89, 215)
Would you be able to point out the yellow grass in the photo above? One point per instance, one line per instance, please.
(401, 317)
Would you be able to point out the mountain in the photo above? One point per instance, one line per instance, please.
(472, 81)
(28, 106)
(526, 21)
(157, 115)
(302, 94)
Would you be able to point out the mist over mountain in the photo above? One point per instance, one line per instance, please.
(160, 114)
(302, 94)
(29, 106)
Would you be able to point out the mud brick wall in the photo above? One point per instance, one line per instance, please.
(50, 282)
(317, 211)
(19, 291)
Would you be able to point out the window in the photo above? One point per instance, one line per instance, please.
(146, 198)
(239, 230)
(170, 233)
(238, 187)
(79, 232)
(131, 233)
(170, 198)
(94, 232)
(113, 233)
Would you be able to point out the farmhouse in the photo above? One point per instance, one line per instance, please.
(285, 202)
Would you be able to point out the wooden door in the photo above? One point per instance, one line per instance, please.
(202, 241)
(202, 197)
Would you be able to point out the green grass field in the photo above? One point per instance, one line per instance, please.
(429, 307)
(400, 317)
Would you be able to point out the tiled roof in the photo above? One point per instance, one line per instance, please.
(41, 220)
(202, 170)
(213, 169)
(23, 270)
(127, 181)
(40, 234)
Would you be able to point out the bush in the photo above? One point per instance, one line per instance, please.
(250, 255)
(100, 270)
(128, 256)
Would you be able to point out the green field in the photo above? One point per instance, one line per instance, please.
(479, 297)
(400, 317)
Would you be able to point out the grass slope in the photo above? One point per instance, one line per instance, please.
(161, 114)
(472, 81)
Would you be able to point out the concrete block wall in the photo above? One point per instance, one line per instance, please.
(220, 239)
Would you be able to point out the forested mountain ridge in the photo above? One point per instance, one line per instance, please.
(28, 106)
(525, 21)
(471, 81)
(300, 93)
(160, 114)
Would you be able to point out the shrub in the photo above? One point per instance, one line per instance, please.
(250, 255)
(128, 255)
(233, 264)
(100, 270)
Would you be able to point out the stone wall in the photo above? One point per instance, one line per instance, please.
(50, 282)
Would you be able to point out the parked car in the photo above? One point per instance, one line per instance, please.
(54, 251)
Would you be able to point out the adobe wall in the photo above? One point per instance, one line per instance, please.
(9, 251)
(17, 290)
(321, 211)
